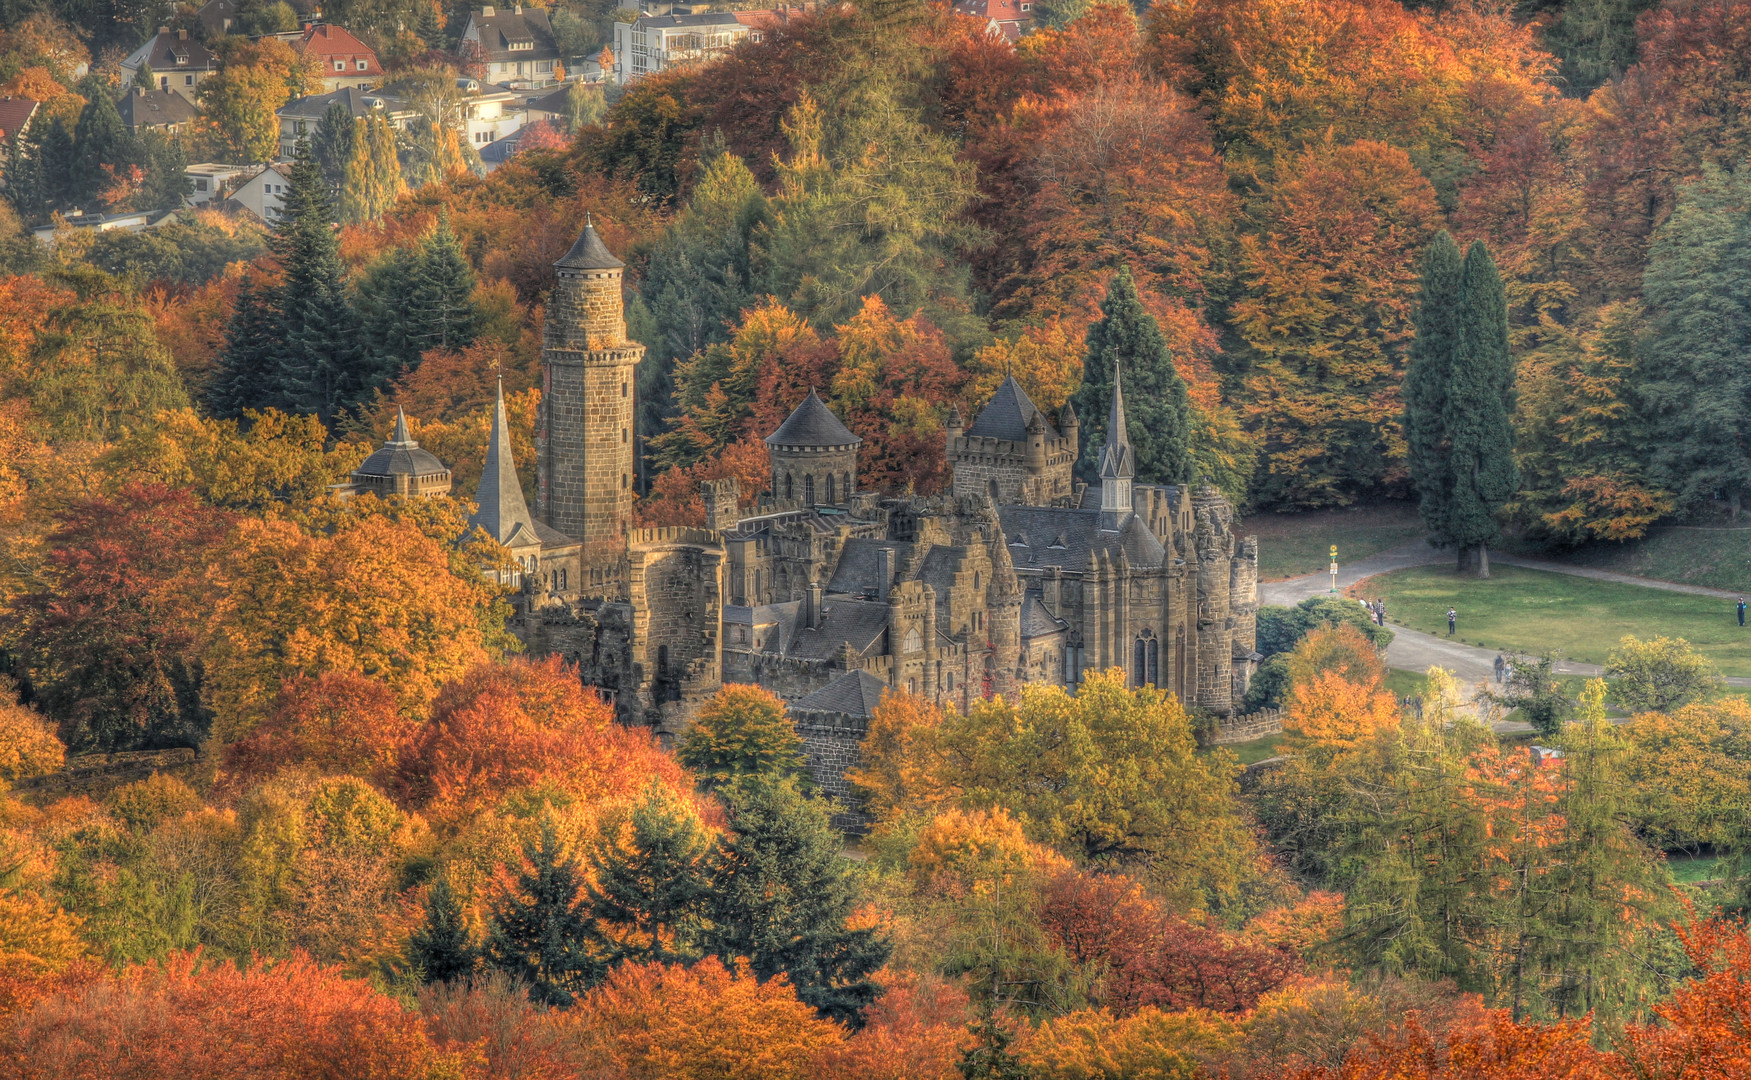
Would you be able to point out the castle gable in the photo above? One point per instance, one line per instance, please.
(855, 694)
(859, 568)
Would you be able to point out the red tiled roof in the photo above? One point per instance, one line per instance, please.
(14, 114)
(335, 42)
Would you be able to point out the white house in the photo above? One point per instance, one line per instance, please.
(264, 193)
(210, 181)
(516, 44)
(656, 42)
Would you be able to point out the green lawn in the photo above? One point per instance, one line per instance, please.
(1717, 558)
(1532, 611)
(1257, 749)
(1291, 545)
(1690, 869)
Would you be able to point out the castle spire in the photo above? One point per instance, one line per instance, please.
(502, 513)
(1117, 469)
(401, 440)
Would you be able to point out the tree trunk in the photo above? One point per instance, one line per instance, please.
(1483, 560)
(1464, 559)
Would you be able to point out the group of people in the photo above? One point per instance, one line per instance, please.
(1376, 610)
(1504, 669)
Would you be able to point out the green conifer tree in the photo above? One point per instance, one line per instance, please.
(441, 307)
(1425, 384)
(333, 144)
(648, 899)
(539, 932)
(166, 165)
(100, 138)
(1480, 406)
(319, 370)
(442, 950)
(383, 299)
(249, 364)
(781, 895)
(55, 166)
(990, 1058)
(1698, 285)
(1158, 408)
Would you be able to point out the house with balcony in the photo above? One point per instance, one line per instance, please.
(1006, 19)
(210, 180)
(516, 45)
(656, 42)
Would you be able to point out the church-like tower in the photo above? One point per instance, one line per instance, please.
(583, 436)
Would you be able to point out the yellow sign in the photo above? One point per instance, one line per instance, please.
(1334, 551)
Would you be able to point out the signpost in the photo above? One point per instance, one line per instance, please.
(1334, 568)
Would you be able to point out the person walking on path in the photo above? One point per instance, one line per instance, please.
(1501, 668)
(1741, 611)
(1452, 621)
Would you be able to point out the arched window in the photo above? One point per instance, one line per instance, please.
(789, 487)
(1145, 659)
(830, 497)
(809, 490)
(992, 487)
(914, 641)
(976, 579)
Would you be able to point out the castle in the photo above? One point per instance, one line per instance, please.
(830, 596)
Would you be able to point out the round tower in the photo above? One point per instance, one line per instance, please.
(583, 436)
(814, 456)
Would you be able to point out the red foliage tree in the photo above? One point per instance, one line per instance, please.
(338, 723)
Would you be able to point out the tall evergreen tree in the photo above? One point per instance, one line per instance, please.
(166, 165)
(1480, 406)
(333, 144)
(538, 929)
(371, 180)
(249, 364)
(100, 138)
(319, 370)
(383, 298)
(647, 902)
(1158, 408)
(441, 308)
(442, 950)
(780, 897)
(1425, 384)
(1698, 284)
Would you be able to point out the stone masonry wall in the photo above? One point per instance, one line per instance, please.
(1239, 729)
(834, 744)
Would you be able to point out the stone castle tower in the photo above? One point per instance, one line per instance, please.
(583, 435)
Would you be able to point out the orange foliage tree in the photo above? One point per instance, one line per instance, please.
(916, 1030)
(337, 723)
(660, 1022)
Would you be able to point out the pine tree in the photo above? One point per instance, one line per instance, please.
(1698, 285)
(539, 930)
(989, 1058)
(249, 364)
(647, 901)
(1158, 408)
(700, 275)
(442, 950)
(56, 166)
(441, 308)
(166, 165)
(1425, 385)
(780, 897)
(100, 138)
(319, 370)
(333, 144)
(383, 298)
(1480, 405)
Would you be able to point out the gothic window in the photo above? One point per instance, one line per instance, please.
(914, 641)
(1145, 659)
(848, 491)
(992, 486)
(830, 497)
(809, 490)
(976, 579)
(789, 488)
(563, 584)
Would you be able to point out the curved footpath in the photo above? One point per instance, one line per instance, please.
(1413, 650)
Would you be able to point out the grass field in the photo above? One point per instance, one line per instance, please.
(1714, 558)
(1694, 868)
(1291, 545)
(1532, 611)
(1257, 749)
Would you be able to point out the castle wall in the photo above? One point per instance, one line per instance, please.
(834, 744)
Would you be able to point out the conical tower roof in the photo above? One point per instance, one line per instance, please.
(503, 513)
(401, 455)
(813, 424)
(590, 253)
(1007, 415)
(1115, 457)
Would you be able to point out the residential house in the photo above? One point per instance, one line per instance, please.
(177, 61)
(298, 119)
(1003, 18)
(15, 116)
(210, 181)
(657, 42)
(151, 109)
(489, 113)
(347, 62)
(128, 221)
(535, 133)
(218, 18)
(516, 45)
(264, 193)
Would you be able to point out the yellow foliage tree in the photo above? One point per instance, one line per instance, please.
(900, 756)
(270, 459)
(1045, 359)
(1335, 712)
(377, 596)
(961, 850)
(1094, 1044)
(37, 939)
(28, 746)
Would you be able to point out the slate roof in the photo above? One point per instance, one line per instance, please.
(1007, 414)
(141, 107)
(502, 28)
(861, 622)
(812, 424)
(400, 456)
(856, 693)
(1037, 620)
(161, 53)
(1041, 536)
(358, 102)
(856, 570)
(503, 513)
(589, 253)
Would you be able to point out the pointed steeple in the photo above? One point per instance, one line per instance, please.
(401, 440)
(503, 513)
(1117, 469)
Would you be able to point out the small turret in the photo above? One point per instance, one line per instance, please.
(1071, 428)
(1034, 458)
